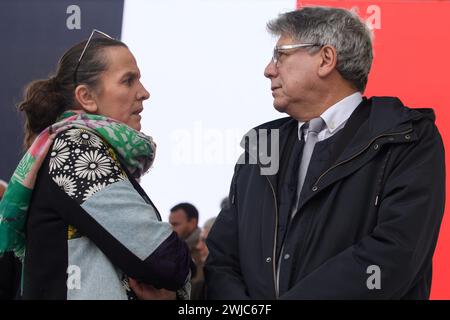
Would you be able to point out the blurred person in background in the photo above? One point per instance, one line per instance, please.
(201, 244)
(184, 220)
(198, 291)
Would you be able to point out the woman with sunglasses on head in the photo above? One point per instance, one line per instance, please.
(73, 211)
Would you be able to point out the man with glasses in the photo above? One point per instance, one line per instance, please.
(355, 208)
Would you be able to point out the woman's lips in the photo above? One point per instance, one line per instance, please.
(137, 112)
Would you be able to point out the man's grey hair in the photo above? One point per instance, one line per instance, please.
(337, 27)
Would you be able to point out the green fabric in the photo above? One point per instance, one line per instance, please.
(136, 150)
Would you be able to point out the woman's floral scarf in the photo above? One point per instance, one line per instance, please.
(136, 150)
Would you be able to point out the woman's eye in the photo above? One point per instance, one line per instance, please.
(129, 81)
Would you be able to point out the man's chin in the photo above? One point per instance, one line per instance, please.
(279, 107)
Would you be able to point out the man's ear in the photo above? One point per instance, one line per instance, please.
(85, 98)
(328, 61)
(194, 223)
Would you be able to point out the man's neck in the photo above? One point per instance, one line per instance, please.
(326, 101)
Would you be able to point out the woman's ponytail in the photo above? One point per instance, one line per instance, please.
(43, 103)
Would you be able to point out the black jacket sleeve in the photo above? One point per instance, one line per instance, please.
(222, 272)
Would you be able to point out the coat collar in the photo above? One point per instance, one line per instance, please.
(387, 115)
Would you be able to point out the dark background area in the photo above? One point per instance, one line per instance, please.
(34, 35)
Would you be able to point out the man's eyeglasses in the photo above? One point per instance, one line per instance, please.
(277, 49)
(84, 50)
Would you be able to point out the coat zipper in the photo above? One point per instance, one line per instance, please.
(358, 153)
(275, 275)
(275, 240)
(275, 278)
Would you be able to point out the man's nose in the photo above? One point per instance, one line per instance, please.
(271, 70)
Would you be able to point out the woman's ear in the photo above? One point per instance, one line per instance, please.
(85, 98)
(328, 60)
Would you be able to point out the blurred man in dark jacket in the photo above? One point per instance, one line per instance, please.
(184, 220)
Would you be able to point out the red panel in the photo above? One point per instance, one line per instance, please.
(412, 62)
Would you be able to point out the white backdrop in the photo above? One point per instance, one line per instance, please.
(202, 62)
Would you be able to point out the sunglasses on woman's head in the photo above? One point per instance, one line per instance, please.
(84, 50)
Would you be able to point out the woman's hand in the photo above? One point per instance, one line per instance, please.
(148, 292)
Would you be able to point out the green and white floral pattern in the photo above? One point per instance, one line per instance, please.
(135, 149)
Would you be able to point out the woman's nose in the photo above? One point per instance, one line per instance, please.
(143, 93)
